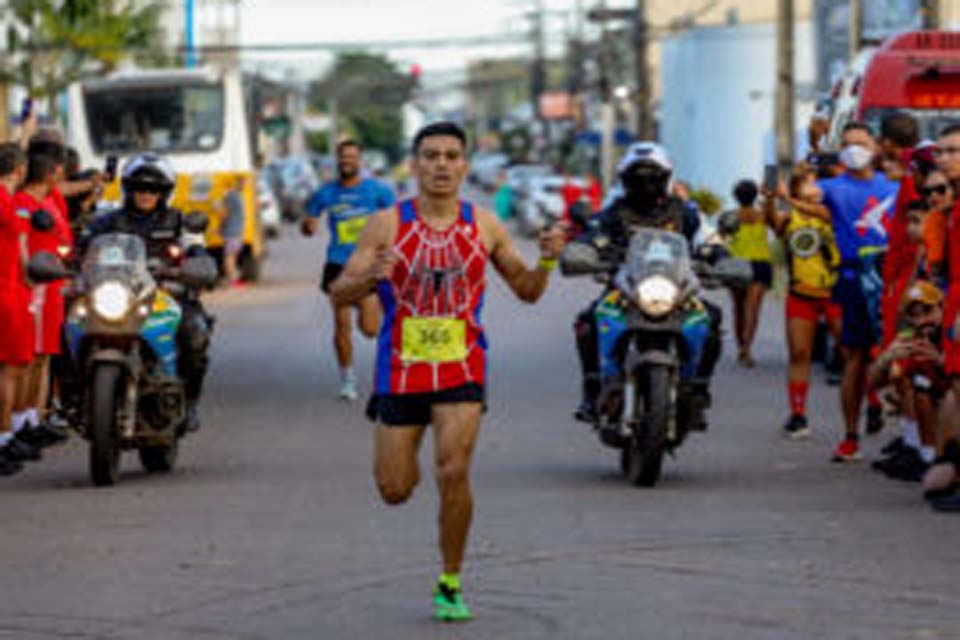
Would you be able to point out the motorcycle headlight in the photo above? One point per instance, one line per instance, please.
(111, 301)
(657, 295)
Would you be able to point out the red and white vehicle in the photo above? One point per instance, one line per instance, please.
(917, 72)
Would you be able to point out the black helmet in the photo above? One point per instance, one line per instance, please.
(148, 169)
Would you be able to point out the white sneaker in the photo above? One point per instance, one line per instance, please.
(348, 390)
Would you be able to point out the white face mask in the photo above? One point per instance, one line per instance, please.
(856, 157)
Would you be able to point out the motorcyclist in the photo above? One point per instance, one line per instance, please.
(646, 176)
(148, 180)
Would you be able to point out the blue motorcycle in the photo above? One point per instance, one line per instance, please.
(121, 336)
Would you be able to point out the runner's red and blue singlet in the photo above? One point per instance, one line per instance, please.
(432, 338)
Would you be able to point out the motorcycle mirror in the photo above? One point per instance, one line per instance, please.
(728, 223)
(199, 272)
(46, 267)
(580, 259)
(196, 222)
(580, 213)
(42, 220)
(734, 272)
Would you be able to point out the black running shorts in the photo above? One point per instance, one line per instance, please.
(414, 409)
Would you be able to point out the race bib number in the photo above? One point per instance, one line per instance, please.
(434, 340)
(348, 231)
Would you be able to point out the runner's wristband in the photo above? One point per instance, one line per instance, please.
(547, 264)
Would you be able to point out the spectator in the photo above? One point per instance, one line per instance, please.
(231, 229)
(750, 243)
(914, 359)
(503, 198)
(860, 203)
(812, 260)
(16, 324)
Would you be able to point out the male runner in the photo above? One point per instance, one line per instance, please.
(348, 202)
(427, 258)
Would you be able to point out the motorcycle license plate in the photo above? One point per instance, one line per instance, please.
(434, 340)
(348, 231)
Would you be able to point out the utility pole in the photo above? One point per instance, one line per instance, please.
(333, 133)
(538, 73)
(608, 114)
(189, 41)
(856, 28)
(931, 14)
(783, 109)
(642, 75)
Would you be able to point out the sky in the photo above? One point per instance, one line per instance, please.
(299, 21)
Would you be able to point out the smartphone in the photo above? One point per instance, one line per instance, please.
(111, 168)
(26, 108)
(770, 176)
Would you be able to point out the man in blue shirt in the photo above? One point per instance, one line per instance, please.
(348, 203)
(861, 203)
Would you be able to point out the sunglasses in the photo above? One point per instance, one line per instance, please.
(939, 189)
(146, 187)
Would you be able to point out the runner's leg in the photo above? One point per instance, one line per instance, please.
(853, 388)
(342, 339)
(395, 466)
(456, 427)
(751, 314)
(371, 314)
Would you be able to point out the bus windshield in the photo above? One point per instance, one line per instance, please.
(168, 118)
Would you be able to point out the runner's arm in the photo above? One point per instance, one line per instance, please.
(371, 261)
(527, 284)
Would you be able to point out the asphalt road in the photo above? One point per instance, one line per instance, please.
(271, 528)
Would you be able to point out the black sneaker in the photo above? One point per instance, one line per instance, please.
(192, 420)
(894, 446)
(9, 467)
(797, 427)
(46, 435)
(585, 413)
(20, 451)
(907, 465)
(947, 503)
(874, 420)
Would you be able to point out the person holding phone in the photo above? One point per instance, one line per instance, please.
(750, 242)
(812, 260)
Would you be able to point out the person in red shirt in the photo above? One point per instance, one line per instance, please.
(16, 336)
(47, 301)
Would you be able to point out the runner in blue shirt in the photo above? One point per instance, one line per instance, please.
(348, 203)
(861, 203)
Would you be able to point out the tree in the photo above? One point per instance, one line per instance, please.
(370, 92)
(51, 43)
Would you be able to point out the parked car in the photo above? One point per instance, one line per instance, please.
(298, 182)
(270, 217)
(485, 168)
(519, 177)
(543, 205)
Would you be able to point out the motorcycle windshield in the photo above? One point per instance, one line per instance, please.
(117, 256)
(658, 252)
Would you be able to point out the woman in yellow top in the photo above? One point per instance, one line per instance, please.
(750, 243)
(812, 258)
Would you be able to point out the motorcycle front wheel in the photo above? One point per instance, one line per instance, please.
(106, 395)
(642, 460)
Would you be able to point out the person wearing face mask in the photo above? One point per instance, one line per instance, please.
(644, 201)
(861, 203)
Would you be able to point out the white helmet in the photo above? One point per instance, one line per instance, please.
(645, 151)
(148, 168)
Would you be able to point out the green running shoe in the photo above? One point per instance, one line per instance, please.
(449, 605)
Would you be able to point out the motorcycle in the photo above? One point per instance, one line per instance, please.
(121, 331)
(644, 408)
